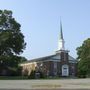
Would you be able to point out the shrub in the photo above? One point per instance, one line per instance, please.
(32, 75)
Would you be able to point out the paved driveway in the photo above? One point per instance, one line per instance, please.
(63, 84)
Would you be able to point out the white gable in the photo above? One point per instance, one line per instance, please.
(71, 58)
(56, 57)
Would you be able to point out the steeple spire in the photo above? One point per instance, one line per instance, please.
(61, 39)
(61, 33)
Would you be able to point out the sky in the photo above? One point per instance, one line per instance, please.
(40, 24)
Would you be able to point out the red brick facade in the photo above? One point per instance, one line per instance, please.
(54, 68)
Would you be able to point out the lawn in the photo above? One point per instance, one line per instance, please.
(13, 78)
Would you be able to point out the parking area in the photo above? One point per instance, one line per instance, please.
(63, 84)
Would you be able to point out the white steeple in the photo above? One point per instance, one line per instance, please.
(61, 39)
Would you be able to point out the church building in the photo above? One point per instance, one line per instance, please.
(58, 64)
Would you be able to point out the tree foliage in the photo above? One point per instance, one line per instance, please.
(83, 53)
(12, 42)
(11, 38)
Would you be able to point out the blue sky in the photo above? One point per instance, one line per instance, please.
(40, 24)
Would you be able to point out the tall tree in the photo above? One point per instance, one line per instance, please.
(83, 53)
(12, 41)
(11, 38)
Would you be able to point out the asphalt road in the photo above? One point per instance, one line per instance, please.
(60, 84)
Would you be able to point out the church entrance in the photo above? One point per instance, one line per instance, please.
(65, 70)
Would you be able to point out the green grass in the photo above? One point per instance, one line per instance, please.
(13, 77)
(23, 78)
(26, 78)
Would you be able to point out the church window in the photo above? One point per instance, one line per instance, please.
(55, 65)
(55, 68)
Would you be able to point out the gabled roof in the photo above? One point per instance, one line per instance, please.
(53, 57)
(39, 59)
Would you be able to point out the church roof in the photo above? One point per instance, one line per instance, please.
(54, 57)
(39, 59)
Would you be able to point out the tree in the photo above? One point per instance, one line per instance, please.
(11, 38)
(83, 53)
(12, 41)
(12, 65)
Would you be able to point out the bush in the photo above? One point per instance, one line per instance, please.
(32, 75)
(82, 74)
(42, 75)
(36, 75)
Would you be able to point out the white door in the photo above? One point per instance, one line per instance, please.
(65, 70)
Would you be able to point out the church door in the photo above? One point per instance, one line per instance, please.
(65, 70)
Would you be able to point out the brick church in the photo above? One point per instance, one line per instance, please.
(58, 64)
